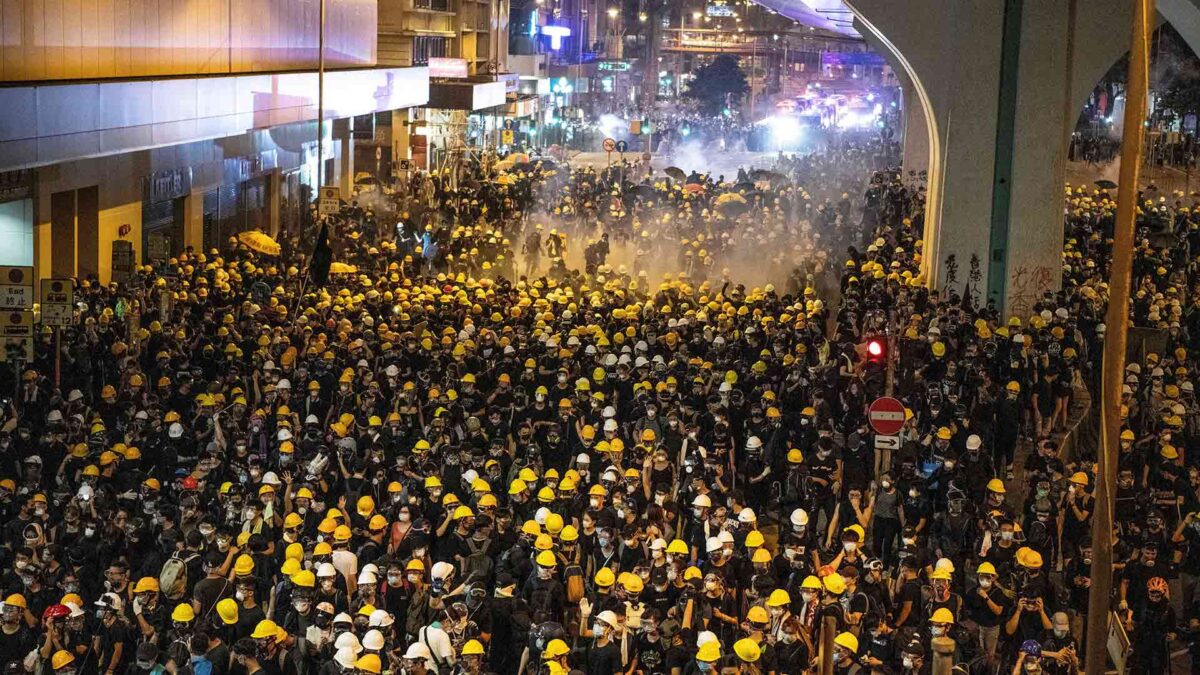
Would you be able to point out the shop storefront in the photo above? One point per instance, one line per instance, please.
(164, 213)
(16, 218)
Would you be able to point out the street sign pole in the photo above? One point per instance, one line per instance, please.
(57, 357)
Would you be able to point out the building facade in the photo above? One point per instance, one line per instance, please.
(134, 129)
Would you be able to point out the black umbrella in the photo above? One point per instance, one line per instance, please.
(643, 191)
(1105, 184)
(766, 174)
(676, 173)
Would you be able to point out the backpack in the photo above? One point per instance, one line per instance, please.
(173, 578)
(573, 579)
(478, 565)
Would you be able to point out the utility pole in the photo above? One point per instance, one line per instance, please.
(1117, 320)
(321, 100)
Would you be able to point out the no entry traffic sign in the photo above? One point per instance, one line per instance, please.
(886, 416)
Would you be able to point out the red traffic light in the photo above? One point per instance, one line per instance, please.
(875, 348)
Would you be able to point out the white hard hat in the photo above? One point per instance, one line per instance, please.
(283, 384)
(367, 577)
(326, 570)
(713, 544)
(974, 442)
(417, 650)
(799, 517)
(753, 443)
(747, 515)
(373, 640)
(381, 618)
(345, 657)
(348, 641)
(175, 430)
(702, 501)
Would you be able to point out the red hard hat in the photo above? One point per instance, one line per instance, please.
(56, 612)
(190, 483)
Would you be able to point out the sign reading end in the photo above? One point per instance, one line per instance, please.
(886, 416)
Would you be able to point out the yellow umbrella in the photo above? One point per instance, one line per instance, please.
(342, 268)
(730, 197)
(260, 242)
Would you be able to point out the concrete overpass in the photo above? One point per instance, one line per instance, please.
(992, 92)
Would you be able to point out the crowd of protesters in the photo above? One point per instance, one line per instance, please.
(549, 420)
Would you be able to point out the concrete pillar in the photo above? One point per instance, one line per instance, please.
(193, 224)
(345, 164)
(949, 56)
(400, 138)
(916, 129)
(274, 194)
(1033, 251)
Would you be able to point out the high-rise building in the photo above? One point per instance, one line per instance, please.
(135, 128)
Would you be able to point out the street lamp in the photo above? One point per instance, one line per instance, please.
(613, 12)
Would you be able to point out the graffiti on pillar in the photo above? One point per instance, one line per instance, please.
(1026, 287)
(974, 277)
(951, 276)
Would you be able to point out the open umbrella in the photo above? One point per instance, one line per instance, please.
(676, 173)
(693, 187)
(260, 242)
(342, 268)
(643, 191)
(1105, 184)
(732, 208)
(730, 198)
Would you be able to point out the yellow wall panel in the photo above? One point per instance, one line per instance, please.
(53, 23)
(86, 39)
(111, 220)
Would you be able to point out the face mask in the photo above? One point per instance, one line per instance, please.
(1060, 633)
(412, 578)
(1006, 536)
(886, 485)
(301, 606)
(985, 583)
(240, 595)
(598, 629)
(850, 546)
(907, 663)
(937, 631)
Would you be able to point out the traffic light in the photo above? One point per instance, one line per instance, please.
(873, 351)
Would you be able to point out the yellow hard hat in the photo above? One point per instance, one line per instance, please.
(369, 663)
(605, 577)
(848, 641)
(986, 568)
(779, 598)
(709, 652)
(546, 559)
(472, 648)
(243, 565)
(996, 485)
(227, 609)
(183, 613)
(61, 659)
(265, 629)
(747, 650)
(942, 615)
